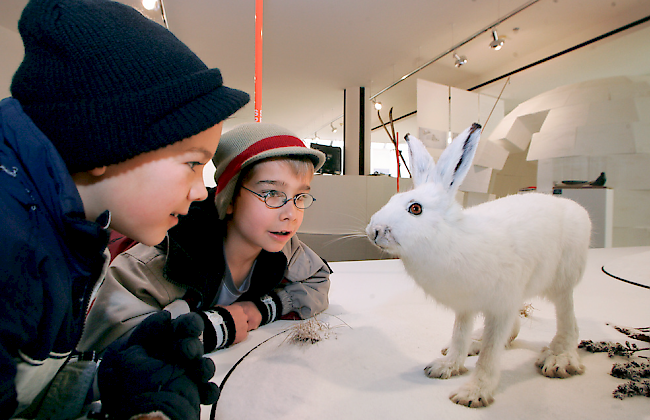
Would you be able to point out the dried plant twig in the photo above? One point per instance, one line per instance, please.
(641, 334)
(637, 371)
(392, 138)
(526, 311)
(631, 389)
(612, 349)
(631, 370)
(310, 331)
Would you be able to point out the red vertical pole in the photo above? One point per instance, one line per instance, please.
(399, 175)
(259, 18)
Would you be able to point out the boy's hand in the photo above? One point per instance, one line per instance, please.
(253, 314)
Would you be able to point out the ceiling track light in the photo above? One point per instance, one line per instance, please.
(334, 129)
(377, 105)
(497, 42)
(150, 4)
(458, 45)
(154, 5)
(316, 138)
(460, 60)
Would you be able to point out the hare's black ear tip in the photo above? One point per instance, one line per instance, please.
(476, 126)
(406, 136)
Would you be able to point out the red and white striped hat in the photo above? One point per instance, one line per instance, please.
(247, 144)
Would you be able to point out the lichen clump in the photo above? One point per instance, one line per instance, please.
(310, 331)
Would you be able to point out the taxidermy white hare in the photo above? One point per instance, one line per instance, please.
(486, 259)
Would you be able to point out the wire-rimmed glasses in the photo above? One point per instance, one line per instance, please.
(276, 199)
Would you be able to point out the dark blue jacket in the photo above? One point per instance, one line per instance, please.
(50, 259)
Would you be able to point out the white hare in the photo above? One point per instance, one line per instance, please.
(486, 259)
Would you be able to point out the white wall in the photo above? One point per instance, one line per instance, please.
(345, 203)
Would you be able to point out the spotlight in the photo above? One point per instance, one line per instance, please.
(316, 138)
(497, 43)
(460, 60)
(377, 106)
(334, 129)
(150, 4)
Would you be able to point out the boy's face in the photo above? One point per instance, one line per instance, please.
(146, 194)
(257, 226)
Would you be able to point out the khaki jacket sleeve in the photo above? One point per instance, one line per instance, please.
(308, 282)
(134, 288)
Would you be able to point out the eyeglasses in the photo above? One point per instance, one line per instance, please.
(276, 199)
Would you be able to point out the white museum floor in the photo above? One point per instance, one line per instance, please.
(383, 331)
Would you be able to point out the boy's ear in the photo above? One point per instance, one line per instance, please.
(230, 209)
(89, 177)
(98, 171)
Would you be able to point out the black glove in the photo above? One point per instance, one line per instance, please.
(160, 367)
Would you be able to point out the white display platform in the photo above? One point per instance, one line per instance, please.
(384, 331)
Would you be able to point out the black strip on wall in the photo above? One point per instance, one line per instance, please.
(345, 113)
(362, 130)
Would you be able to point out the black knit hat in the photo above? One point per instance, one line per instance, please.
(105, 83)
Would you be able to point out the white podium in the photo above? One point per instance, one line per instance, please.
(599, 202)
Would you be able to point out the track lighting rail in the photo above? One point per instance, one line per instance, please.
(455, 47)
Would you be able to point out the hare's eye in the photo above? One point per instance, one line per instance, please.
(415, 209)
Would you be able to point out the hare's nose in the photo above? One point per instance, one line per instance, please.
(377, 231)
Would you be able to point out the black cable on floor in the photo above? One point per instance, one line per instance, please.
(213, 411)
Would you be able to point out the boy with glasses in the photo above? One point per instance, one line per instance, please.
(234, 259)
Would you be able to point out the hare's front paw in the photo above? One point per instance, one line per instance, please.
(560, 365)
(472, 395)
(444, 369)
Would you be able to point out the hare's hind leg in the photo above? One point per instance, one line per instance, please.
(479, 390)
(453, 363)
(560, 359)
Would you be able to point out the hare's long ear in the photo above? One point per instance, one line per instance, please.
(456, 160)
(422, 165)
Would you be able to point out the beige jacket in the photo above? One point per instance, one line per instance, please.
(135, 287)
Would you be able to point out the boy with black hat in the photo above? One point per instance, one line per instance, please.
(110, 123)
(234, 259)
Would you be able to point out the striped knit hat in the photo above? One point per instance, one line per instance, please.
(247, 144)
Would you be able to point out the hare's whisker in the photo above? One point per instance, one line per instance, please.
(345, 237)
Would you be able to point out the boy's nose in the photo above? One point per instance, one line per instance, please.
(288, 211)
(198, 192)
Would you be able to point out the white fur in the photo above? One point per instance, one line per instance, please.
(486, 259)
